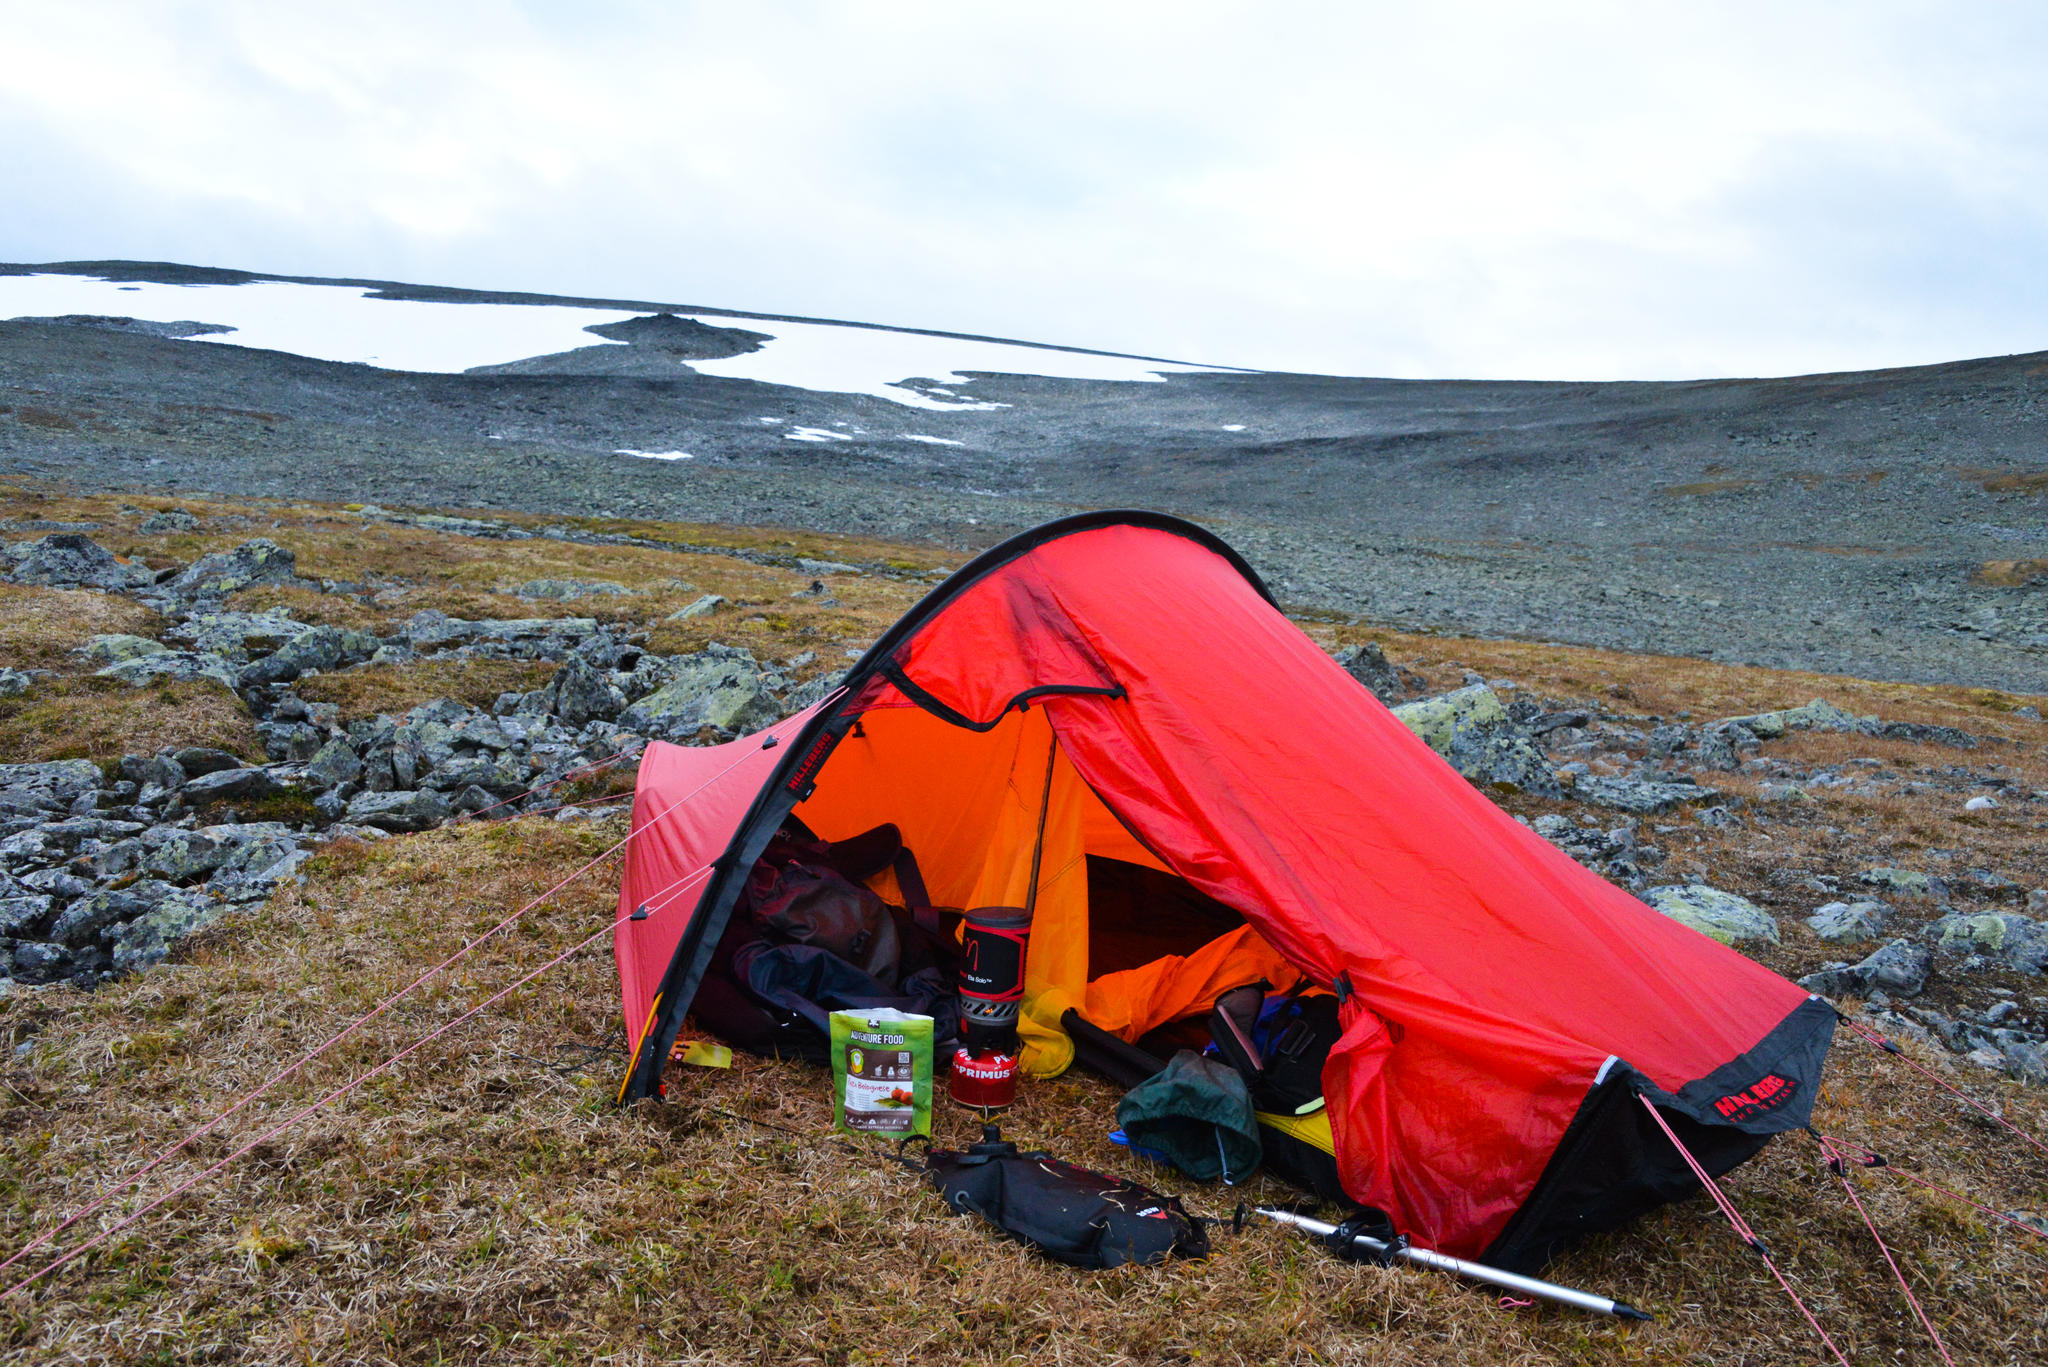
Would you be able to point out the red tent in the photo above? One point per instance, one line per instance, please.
(1121, 686)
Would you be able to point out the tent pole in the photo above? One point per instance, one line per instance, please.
(1478, 1272)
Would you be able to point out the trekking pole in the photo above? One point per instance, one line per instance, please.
(1478, 1272)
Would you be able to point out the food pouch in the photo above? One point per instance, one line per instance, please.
(882, 1072)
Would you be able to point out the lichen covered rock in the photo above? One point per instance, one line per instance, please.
(1471, 728)
(1716, 914)
(1841, 922)
(261, 561)
(719, 687)
(1640, 797)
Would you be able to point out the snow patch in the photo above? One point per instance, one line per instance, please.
(350, 324)
(814, 434)
(653, 455)
(838, 359)
(930, 441)
(325, 322)
(1233, 427)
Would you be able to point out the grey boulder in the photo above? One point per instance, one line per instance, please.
(474, 771)
(21, 915)
(703, 607)
(333, 763)
(1716, 914)
(1818, 715)
(50, 786)
(1839, 922)
(317, 648)
(1369, 665)
(145, 941)
(1724, 746)
(719, 687)
(179, 666)
(2020, 940)
(238, 636)
(82, 922)
(68, 560)
(579, 694)
(292, 741)
(399, 811)
(115, 648)
(261, 561)
(36, 962)
(195, 760)
(1636, 796)
(224, 785)
(1471, 728)
(1905, 883)
(1900, 968)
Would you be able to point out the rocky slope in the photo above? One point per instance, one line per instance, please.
(108, 865)
(1889, 524)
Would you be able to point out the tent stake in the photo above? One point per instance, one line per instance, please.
(1478, 1272)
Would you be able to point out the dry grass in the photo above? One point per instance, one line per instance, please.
(1670, 686)
(485, 1201)
(40, 628)
(102, 720)
(411, 569)
(2012, 574)
(392, 689)
(2010, 481)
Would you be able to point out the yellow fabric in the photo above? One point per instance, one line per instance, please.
(968, 804)
(1312, 1129)
(1048, 1051)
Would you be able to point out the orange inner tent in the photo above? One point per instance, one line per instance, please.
(1001, 818)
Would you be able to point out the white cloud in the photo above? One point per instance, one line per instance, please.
(1597, 191)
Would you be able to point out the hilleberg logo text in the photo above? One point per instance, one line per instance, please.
(1766, 1094)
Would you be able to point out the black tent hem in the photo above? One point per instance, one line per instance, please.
(1613, 1162)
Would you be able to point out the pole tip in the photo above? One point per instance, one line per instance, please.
(1623, 1310)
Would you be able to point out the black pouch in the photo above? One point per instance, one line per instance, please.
(808, 905)
(1071, 1215)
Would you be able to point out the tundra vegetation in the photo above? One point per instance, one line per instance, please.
(483, 1198)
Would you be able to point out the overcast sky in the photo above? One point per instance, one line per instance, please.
(1496, 190)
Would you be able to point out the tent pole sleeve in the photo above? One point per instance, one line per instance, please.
(1052, 756)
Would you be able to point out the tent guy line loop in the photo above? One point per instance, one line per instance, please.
(335, 1095)
(1837, 1164)
(1896, 1052)
(1873, 1159)
(378, 1010)
(1741, 1226)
